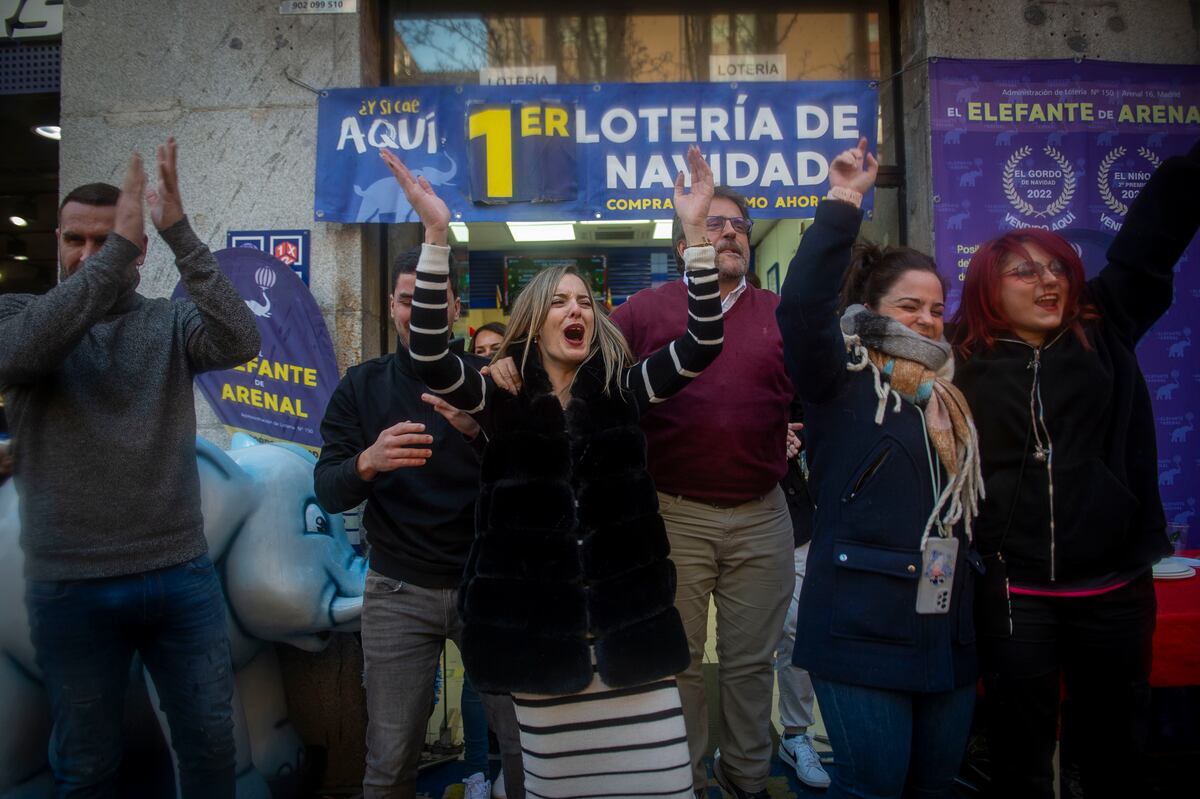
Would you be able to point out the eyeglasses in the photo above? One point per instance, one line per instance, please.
(1029, 272)
(740, 224)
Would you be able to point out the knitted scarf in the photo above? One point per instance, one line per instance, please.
(909, 367)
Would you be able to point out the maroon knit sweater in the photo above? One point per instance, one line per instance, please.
(722, 438)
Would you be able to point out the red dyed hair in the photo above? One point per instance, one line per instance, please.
(979, 318)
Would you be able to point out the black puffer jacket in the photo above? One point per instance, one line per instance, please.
(571, 550)
(1092, 508)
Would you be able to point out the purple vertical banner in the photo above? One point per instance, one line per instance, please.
(1067, 146)
(281, 394)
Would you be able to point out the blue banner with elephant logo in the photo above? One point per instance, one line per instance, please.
(574, 151)
(1067, 145)
(282, 393)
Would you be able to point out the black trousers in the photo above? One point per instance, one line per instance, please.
(1100, 646)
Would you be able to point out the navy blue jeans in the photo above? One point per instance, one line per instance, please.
(890, 744)
(85, 633)
(475, 730)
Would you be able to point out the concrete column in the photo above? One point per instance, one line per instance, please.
(213, 75)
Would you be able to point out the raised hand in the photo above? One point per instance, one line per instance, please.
(130, 222)
(854, 169)
(166, 206)
(432, 210)
(399, 446)
(692, 207)
(459, 420)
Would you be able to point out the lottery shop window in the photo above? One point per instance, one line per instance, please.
(448, 42)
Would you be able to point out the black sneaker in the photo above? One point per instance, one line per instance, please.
(728, 786)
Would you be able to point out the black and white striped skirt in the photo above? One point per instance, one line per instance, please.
(605, 742)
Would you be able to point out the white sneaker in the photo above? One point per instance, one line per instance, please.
(798, 753)
(498, 791)
(478, 787)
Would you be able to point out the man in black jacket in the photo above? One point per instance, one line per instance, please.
(414, 461)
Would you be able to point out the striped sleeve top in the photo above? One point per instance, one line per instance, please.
(650, 381)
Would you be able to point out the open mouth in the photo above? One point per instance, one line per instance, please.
(574, 334)
(1047, 302)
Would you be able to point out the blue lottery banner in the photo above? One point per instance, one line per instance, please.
(1067, 146)
(583, 151)
(282, 393)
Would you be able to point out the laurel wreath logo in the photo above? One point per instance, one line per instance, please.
(1024, 206)
(1068, 189)
(1102, 179)
(1010, 191)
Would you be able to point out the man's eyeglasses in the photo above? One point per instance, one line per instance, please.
(740, 224)
(1029, 272)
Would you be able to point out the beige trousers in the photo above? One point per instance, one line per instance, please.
(741, 557)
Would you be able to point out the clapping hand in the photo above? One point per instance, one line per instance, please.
(166, 206)
(432, 210)
(130, 222)
(854, 169)
(692, 207)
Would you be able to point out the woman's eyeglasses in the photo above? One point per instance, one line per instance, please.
(1029, 272)
(740, 224)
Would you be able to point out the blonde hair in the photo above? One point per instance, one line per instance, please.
(533, 306)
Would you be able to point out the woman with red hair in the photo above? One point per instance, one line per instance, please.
(1072, 521)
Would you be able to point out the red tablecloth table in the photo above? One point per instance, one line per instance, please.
(1177, 636)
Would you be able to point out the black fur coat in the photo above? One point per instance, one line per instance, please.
(570, 551)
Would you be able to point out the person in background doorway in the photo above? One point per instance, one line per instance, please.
(796, 698)
(486, 341)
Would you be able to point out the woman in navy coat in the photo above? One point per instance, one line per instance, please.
(885, 621)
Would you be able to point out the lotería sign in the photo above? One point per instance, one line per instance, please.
(747, 67)
(518, 76)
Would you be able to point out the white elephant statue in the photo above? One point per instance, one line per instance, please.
(289, 575)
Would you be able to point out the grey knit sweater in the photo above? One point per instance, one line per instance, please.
(97, 384)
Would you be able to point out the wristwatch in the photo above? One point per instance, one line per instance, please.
(704, 242)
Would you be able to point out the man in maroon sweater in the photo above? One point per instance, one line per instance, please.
(717, 454)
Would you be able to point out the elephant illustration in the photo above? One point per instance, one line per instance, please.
(968, 178)
(1167, 476)
(1178, 349)
(955, 222)
(1179, 434)
(1167, 390)
(288, 574)
(384, 197)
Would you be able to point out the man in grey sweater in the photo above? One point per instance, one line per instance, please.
(97, 383)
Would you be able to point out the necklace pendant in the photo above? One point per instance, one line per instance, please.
(1040, 454)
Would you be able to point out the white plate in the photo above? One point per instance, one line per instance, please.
(1172, 569)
